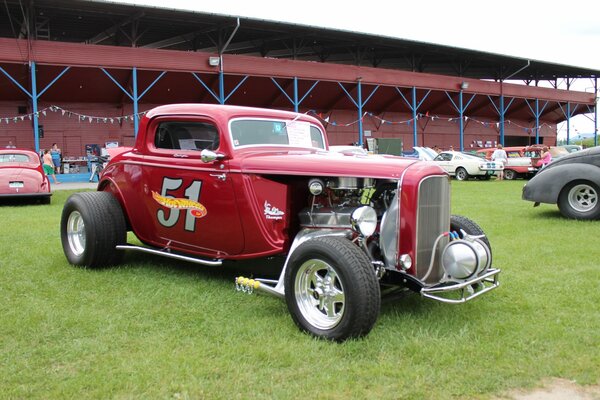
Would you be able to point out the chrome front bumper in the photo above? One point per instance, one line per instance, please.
(465, 291)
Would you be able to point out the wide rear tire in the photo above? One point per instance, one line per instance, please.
(91, 226)
(331, 289)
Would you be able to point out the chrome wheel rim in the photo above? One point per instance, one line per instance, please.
(319, 294)
(461, 174)
(76, 233)
(583, 198)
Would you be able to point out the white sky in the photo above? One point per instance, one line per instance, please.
(564, 32)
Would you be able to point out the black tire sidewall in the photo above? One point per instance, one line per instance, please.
(361, 288)
(104, 226)
(461, 171)
(565, 207)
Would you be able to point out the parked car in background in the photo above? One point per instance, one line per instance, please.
(216, 184)
(349, 150)
(571, 148)
(534, 151)
(421, 153)
(463, 166)
(572, 182)
(517, 165)
(22, 175)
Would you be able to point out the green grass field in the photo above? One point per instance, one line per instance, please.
(159, 329)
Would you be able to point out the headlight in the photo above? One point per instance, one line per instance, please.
(364, 220)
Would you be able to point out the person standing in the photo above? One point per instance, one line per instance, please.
(49, 165)
(56, 156)
(500, 155)
(546, 157)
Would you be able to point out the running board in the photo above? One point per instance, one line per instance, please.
(211, 263)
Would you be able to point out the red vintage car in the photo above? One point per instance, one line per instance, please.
(22, 175)
(517, 165)
(213, 183)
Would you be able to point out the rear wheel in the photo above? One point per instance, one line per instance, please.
(579, 200)
(331, 289)
(510, 174)
(92, 225)
(461, 174)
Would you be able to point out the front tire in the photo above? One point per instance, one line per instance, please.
(91, 226)
(458, 223)
(461, 174)
(331, 289)
(579, 200)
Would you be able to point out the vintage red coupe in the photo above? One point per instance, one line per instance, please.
(22, 175)
(211, 184)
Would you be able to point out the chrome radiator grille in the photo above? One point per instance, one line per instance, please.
(433, 218)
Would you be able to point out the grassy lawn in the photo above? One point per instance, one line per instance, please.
(159, 329)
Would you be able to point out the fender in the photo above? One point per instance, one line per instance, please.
(547, 185)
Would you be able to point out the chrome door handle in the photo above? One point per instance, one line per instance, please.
(220, 177)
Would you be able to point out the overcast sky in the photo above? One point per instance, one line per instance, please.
(565, 32)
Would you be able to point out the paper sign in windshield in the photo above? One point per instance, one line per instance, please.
(299, 134)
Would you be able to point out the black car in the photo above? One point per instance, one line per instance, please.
(572, 182)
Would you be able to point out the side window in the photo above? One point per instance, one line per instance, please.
(186, 136)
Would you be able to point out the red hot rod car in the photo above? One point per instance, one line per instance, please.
(213, 183)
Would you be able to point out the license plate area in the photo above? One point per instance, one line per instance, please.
(16, 184)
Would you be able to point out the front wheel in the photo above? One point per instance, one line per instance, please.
(579, 200)
(91, 226)
(461, 174)
(331, 289)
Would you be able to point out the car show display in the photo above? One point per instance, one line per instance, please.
(22, 175)
(211, 184)
(572, 182)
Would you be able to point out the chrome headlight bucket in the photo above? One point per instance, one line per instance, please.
(465, 258)
(364, 220)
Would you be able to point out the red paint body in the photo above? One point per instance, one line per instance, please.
(252, 195)
(22, 175)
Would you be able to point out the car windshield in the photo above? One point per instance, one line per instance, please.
(14, 158)
(261, 132)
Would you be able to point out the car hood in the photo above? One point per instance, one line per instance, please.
(588, 156)
(323, 163)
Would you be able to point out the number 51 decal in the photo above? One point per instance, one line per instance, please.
(175, 205)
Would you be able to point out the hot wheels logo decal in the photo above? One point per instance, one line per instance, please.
(273, 212)
(196, 209)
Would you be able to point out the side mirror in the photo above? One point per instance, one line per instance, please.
(208, 156)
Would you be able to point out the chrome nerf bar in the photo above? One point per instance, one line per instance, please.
(489, 281)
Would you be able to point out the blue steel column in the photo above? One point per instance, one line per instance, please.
(537, 121)
(502, 111)
(596, 112)
(135, 103)
(461, 113)
(296, 94)
(568, 122)
(221, 87)
(34, 106)
(414, 115)
(360, 108)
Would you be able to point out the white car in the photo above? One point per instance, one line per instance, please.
(462, 166)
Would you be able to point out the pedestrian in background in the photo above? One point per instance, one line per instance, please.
(546, 157)
(56, 157)
(49, 165)
(499, 155)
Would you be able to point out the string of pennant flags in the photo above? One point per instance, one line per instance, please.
(72, 114)
(426, 116)
(327, 119)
